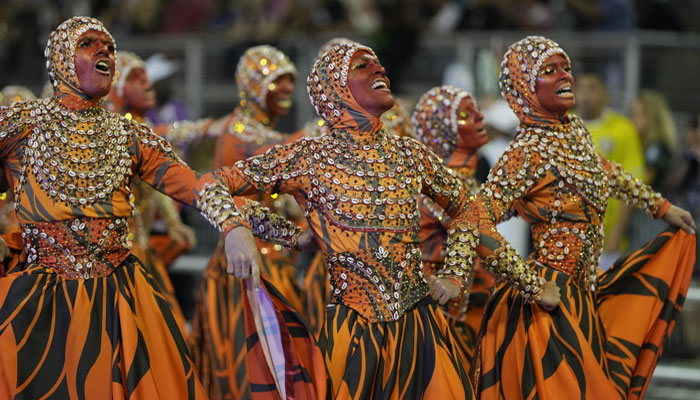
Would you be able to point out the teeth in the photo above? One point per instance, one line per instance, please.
(102, 65)
(286, 103)
(379, 85)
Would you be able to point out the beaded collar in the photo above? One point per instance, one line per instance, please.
(245, 125)
(78, 157)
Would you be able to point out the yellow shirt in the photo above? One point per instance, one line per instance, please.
(616, 139)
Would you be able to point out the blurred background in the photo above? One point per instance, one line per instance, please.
(636, 63)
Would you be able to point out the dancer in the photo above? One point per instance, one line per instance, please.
(265, 78)
(81, 318)
(449, 123)
(358, 186)
(555, 327)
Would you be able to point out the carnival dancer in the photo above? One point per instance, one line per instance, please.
(555, 326)
(221, 328)
(384, 336)
(448, 121)
(81, 318)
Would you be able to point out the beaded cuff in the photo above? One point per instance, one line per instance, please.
(216, 205)
(506, 263)
(269, 226)
(461, 253)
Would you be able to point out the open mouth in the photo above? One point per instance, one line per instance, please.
(380, 84)
(481, 131)
(565, 91)
(284, 103)
(102, 67)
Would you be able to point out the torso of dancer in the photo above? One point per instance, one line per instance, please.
(359, 189)
(554, 327)
(448, 121)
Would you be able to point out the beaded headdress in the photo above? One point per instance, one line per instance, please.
(519, 70)
(257, 69)
(60, 53)
(330, 94)
(332, 43)
(435, 118)
(14, 93)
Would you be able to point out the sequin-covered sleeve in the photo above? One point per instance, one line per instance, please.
(475, 233)
(12, 126)
(626, 187)
(184, 133)
(280, 170)
(444, 187)
(157, 165)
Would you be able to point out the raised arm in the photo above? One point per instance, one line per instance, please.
(630, 189)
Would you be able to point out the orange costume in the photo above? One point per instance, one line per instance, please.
(604, 338)
(221, 328)
(435, 121)
(81, 318)
(384, 336)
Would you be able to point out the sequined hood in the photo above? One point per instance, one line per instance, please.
(330, 94)
(519, 70)
(257, 69)
(60, 54)
(435, 118)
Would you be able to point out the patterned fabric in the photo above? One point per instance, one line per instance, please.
(413, 357)
(257, 69)
(358, 187)
(551, 176)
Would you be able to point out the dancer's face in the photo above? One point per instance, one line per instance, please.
(94, 63)
(555, 85)
(470, 125)
(369, 84)
(279, 95)
(138, 91)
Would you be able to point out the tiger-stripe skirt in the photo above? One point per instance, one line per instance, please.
(602, 345)
(223, 340)
(414, 357)
(100, 338)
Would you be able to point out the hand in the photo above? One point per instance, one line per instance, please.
(442, 290)
(551, 296)
(676, 216)
(183, 235)
(4, 250)
(242, 257)
(307, 241)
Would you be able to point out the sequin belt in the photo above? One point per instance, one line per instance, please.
(80, 248)
(380, 283)
(571, 248)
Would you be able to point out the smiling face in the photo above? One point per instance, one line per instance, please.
(94, 63)
(368, 83)
(279, 96)
(139, 94)
(470, 125)
(555, 85)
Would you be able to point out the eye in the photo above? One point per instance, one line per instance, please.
(567, 68)
(111, 48)
(85, 43)
(359, 65)
(463, 115)
(548, 70)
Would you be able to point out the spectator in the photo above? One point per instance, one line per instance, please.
(657, 133)
(617, 140)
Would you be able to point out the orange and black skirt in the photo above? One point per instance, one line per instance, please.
(595, 345)
(100, 338)
(414, 357)
(316, 293)
(224, 340)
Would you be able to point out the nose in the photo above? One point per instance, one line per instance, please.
(102, 48)
(479, 116)
(377, 68)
